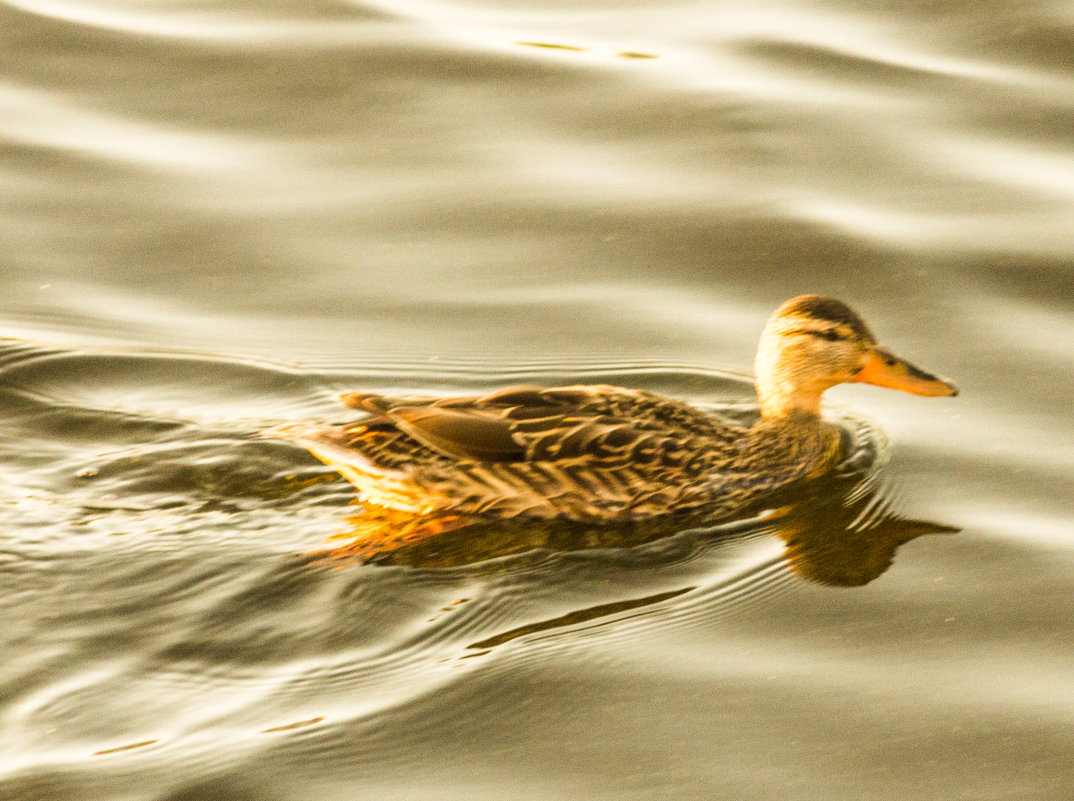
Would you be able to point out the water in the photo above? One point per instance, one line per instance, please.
(215, 216)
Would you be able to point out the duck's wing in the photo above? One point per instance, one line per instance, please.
(602, 425)
(595, 453)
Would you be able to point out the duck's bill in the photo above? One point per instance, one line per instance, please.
(885, 369)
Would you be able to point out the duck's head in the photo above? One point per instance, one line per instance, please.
(812, 343)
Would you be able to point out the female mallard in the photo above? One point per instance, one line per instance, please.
(602, 453)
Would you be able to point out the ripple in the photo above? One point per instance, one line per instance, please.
(45, 119)
(263, 23)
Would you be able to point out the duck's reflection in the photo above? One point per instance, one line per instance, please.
(837, 531)
(845, 539)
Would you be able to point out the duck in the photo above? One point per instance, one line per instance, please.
(608, 454)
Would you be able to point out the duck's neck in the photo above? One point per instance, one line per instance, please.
(780, 403)
(784, 387)
(795, 438)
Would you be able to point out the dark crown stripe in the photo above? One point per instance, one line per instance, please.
(829, 310)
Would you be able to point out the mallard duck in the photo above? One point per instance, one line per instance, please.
(607, 454)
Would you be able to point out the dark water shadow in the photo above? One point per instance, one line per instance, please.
(580, 616)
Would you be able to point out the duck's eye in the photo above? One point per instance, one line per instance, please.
(829, 334)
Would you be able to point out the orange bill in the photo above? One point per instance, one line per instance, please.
(885, 369)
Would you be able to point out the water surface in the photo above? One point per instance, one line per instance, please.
(215, 216)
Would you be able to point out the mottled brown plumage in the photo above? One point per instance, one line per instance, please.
(603, 453)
